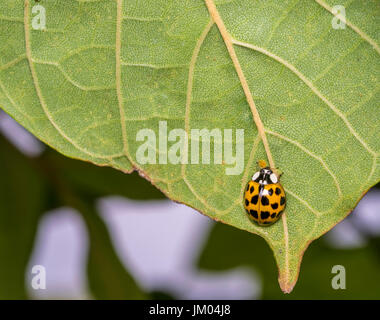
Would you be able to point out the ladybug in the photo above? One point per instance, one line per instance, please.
(264, 197)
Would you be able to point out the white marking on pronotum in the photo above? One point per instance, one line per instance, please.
(255, 176)
(273, 177)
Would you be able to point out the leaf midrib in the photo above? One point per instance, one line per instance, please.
(286, 286)
(229, 41)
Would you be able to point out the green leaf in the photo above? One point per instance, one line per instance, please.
(103, 70)
(22, 202)
(229, 248)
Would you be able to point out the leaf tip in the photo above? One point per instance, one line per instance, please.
(285, 285)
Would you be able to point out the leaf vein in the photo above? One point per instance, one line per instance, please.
(38, 89)
(311, 86)
(353, 27)
(193, 61)
(278, 22)
(13, 62)
(118, 75)
(323, 163)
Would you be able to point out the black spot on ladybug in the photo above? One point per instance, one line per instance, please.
(270, 191)
(274, 205)
(278, 191)
(273, 215)
(247, 187)
(246, 202)
(264, 201)
(264, 215)
(252, 189)
(254, 199)
(282, 201)
(254, 214)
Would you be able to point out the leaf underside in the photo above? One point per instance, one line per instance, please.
(103, 70)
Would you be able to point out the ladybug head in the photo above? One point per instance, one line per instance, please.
(265, 176)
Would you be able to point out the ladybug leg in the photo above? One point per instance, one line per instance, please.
(279, 172)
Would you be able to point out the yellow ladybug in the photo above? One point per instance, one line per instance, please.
(264, 197)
